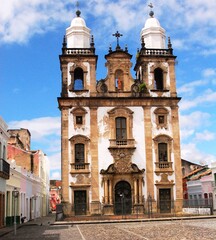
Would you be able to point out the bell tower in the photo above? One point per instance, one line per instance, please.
(78, 63)
(155, 70)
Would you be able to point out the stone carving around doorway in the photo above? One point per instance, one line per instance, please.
(122, 167)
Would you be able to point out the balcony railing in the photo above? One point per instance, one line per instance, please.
(78, 51)
(4, 169)
(163, 165)
(122, 142)
(79, 166)
(157, 52)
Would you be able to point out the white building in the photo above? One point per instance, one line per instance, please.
(4, 168)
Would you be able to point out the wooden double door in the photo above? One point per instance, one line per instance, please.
(165, 202)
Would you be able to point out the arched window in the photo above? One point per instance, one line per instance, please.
(158, 79)
(78, 79)
(79, 153)
(162, 152)
(121, 129)
(119, 80)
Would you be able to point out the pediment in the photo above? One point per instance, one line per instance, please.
(122, 167)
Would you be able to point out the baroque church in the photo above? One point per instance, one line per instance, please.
(120, 138)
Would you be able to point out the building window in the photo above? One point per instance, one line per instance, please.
(163, 148)
(162, 152)
(79, 153)
(79, 120)
(158, 79)
(161, 115)
(78, 79)
(161, 119)
(78, 117)
(121, 130)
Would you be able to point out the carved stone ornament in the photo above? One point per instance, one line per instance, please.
(122, 167)
(164, 179)
(82, 179)
(101, 86)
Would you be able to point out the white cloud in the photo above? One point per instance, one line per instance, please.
(55, 161)
(22, 19)
(208, 72)
(56, 175)
(39, 127)
(190, 123)
(208, 96)
(190, 87)
(191, 153)
(206, 136)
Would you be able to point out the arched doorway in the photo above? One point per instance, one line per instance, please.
(123, 201)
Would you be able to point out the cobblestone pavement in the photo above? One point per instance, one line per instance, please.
(202, 229)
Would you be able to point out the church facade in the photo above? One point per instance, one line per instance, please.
(120, 140)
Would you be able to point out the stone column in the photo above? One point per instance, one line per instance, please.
(94, 154)
(148, 148)
(110, 192)
(64, 154)
(106, 191)
(140, 190)
(135, 191)
(177, 158)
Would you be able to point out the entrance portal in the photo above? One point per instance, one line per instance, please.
(123, 201)
(80, 202)
(165, 200)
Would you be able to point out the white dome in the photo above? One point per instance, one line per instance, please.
(152, 22)
(78, 22)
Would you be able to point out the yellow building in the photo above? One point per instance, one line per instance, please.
(119, 136)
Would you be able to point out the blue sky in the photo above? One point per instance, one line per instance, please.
(31, 34)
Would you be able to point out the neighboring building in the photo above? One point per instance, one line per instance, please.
(29, 176)
(199, 189)
(213, 168)
(188, 167)
(4, 168)
(119, 136)
(55, 193)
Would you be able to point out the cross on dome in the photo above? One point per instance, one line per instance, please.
(151, 13)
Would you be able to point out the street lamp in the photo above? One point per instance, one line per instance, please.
(15, 193)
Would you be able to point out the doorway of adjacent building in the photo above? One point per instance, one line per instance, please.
(165, 200)
(123, 201)
(80, 203)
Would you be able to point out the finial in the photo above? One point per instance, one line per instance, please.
(143, 42)
(92, 41)
(169, 43)
(77, 11)
(117, 35)
(126, 48)
(151, 13)
(64, 45)
(110, 48)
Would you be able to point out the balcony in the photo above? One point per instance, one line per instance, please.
(79, 168)
(123, 143)
(164, 166)
(4, 169)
